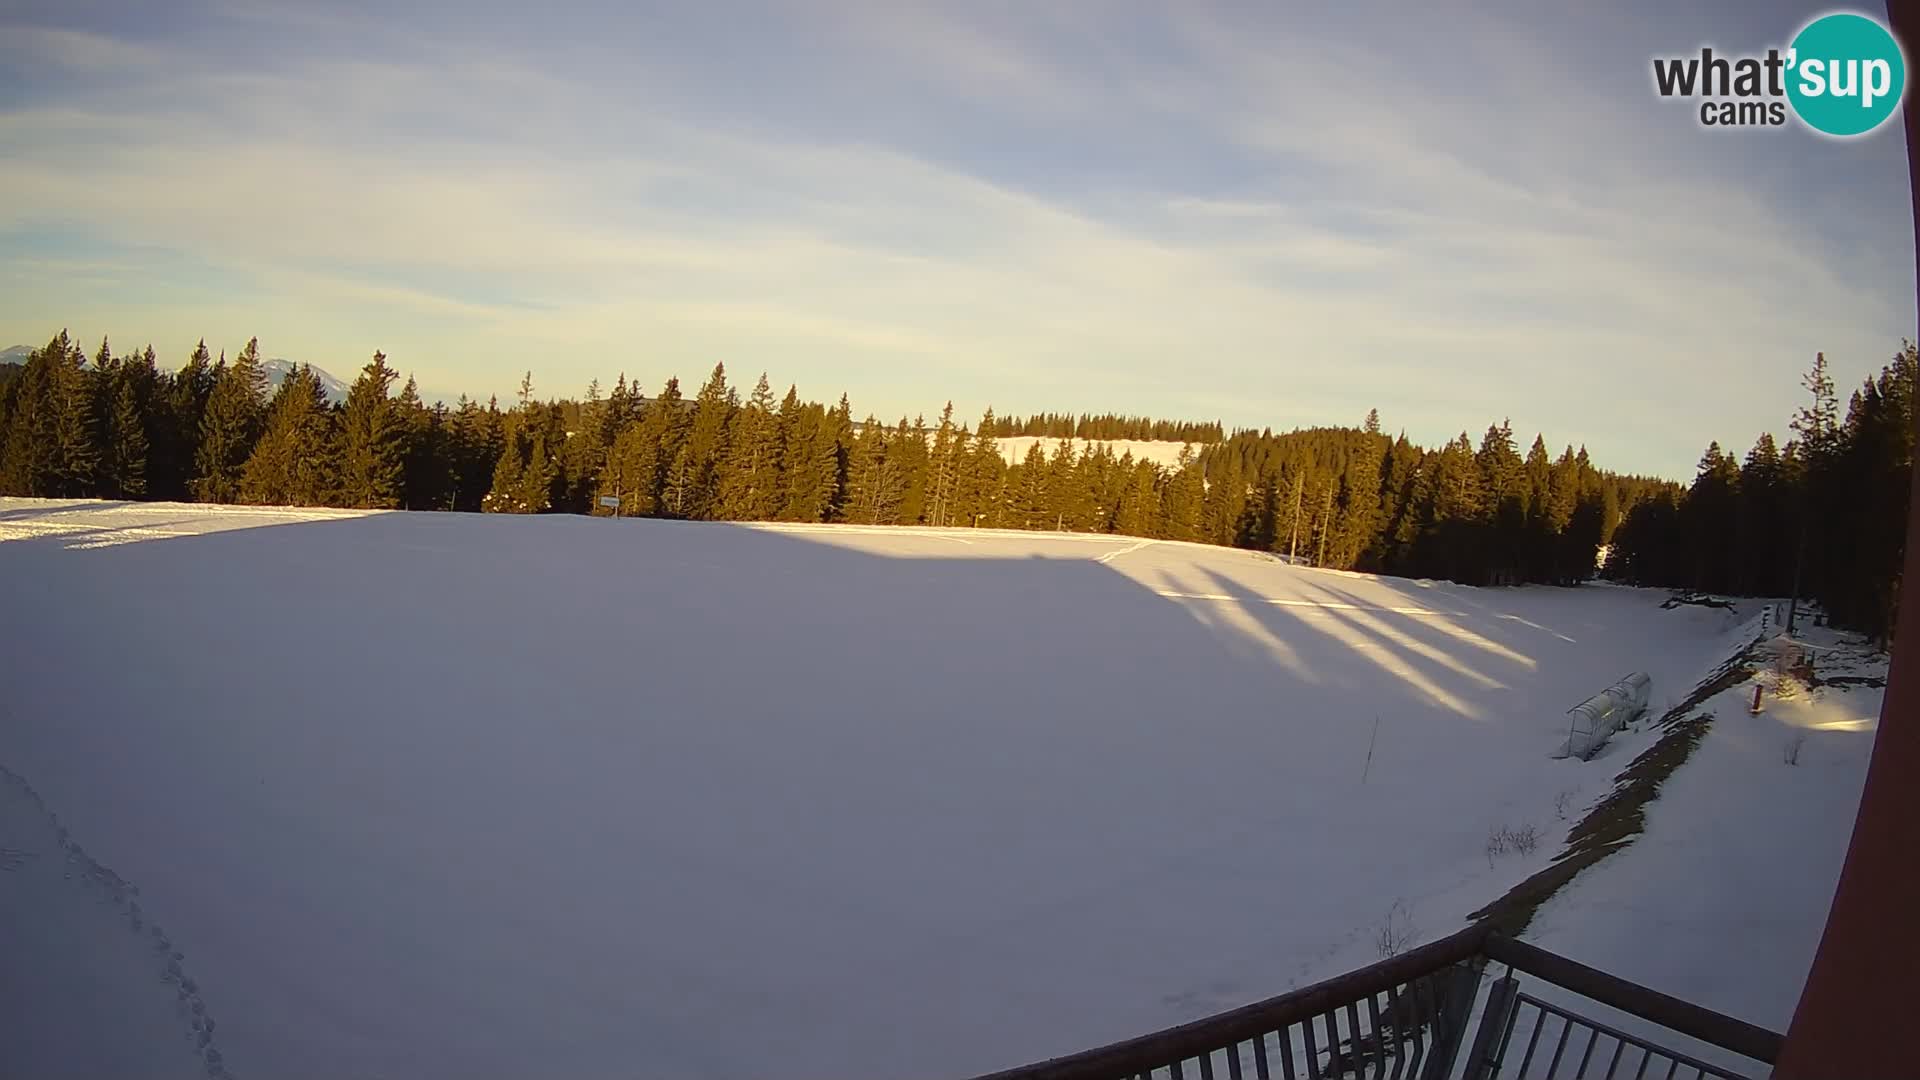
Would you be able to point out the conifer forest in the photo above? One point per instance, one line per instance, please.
(1821, 515)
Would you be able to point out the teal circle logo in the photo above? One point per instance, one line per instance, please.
(1845, 74)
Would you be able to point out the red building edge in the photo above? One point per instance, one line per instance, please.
(1854, 1011)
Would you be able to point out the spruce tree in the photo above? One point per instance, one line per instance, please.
(907, 456)
(176, 433)
(944, 470)
(124, 464)
(292, 462)
(1761, 514)
(980, 476)
(535, 495)
(75, 460)
(427, 466)
(470, 458)
(834, 450)
(234, 416)
(1138, 512)
(372, 440)
(1185, 495)
(1708, 519)
(1027, 490)
(32, 436)
(508, 492)
(691, 487)
(750, 486)
(1224, 502)
(874, 478)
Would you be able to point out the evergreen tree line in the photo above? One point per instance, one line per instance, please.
(1823, 517)
(1108, 427)
(1353, 498)
(1349, 498)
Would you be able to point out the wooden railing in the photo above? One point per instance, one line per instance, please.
(1422, 1015)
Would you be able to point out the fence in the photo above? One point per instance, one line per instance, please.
(1410, 1017)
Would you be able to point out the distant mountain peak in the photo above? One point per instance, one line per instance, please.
(278, 368)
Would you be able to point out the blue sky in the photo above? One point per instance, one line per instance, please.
(1274, 215)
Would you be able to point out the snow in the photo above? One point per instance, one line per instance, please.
(441, 795)
(1722, 901)
(1159, 451)
(93, 957)
(277, 370)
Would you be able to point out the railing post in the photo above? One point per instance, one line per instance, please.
(1490, 1036)
(1456, 1008)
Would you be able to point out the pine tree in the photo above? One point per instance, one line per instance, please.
(690, 487)
(908, 454)
(124, 464)
(980, 476)
(130, 409)
(636, 469)
(944, 470)
(372, 440)
(471, 456)
(1454, 519)
(1261, 523)
(75, 458)
(1295, 510)
(507, 495)
(1817, 424)
(835, 451)
(1185, 494)
(292, 462)
(1761, 512)
(1708, 517)
(176, 433)
(1224, 503)
(750, 487)
(1138, 512)
(874, 479)
(535, 495)
(234, 416)
(804, 496)
(32, 437)
(1027, 490)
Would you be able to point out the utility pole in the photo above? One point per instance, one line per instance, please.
(1326, 526)
(1293, 542)
(1799, 562)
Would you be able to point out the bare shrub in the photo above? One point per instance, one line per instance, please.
(1791, 754)
(1395, 932)
(1563, 803)
(1525, 839)
(1510, 840)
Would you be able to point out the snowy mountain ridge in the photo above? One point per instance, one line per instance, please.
(278, 369)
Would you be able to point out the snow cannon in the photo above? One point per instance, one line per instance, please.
(1596, 719)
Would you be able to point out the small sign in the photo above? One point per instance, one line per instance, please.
(611, 502)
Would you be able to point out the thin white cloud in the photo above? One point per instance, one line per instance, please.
(476, 215)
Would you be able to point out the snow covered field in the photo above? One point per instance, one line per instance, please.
(1723, 899)
(1159, 451)
(437, 795)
